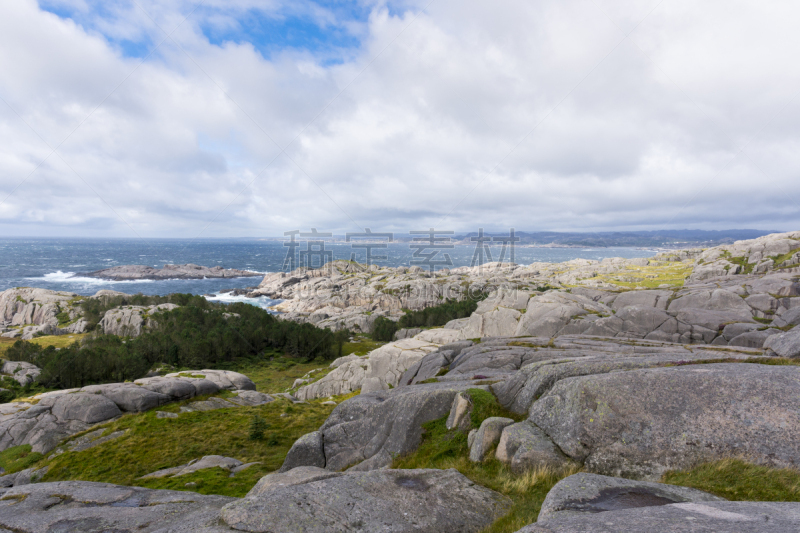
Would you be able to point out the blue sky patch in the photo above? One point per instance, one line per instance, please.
(324, 28)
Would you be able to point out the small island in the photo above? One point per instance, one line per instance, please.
(188, 271)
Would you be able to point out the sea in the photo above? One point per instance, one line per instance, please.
(58, 263)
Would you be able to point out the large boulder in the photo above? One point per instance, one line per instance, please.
(487, 437)
(131, 320)
(307, 451)
(706, 517)
(585, 493)
(224, 379)
(712, 300)
(785, 344)
(59, 414)
(394, 501)
(366, 432)
(102, 507)
(22, 372)
(643, 422)
(380, 370)
(523, 446)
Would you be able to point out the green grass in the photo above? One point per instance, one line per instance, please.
(443, 449)
(737, 480)
(18, 458)
(652, 276)
(779, 259)
(151, 444)
(361, 346)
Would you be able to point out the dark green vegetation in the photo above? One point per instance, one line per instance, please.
(448, 449)
(734, 479)
(151, 444)
(438, 315)
(199, 334)
(94, 308)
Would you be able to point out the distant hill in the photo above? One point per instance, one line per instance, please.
(659, 238)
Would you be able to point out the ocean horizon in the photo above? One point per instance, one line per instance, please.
(56, 263)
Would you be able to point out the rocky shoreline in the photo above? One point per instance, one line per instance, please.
(616, 372)
(187, 271)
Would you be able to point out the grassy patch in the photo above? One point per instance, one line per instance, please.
(361, 346)
(152, 444)
(738, 480)
(779, 259)
(277, 374)
(443, 449)
(18, 458)
(652, 276)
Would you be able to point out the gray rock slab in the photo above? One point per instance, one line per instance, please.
(487, 437)
(523, 446)
(640, 423)
(383, 424)
(88, 408)
(102, 507)
(129, 397)
(788, 318)
(734, 330)
(250, 398)
(645, 298)
(306, 451)
(591, 493)
(391, 501)
(785, 344)
(460, 416)
(707, 517)
(753, 339)
(289, 478)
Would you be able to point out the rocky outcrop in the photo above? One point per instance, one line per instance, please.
(486, 437)
(229, 464)
(523, 446)
(131, 320)
(765, 254)
(583, 493)
(188, 271)
(380, 370)
(27, 312)
(398, 501)
(785, 344)
(99, 507)
(50, 417)
(367, 431)
(706, 517)
(642, 422)
(423, 501)
(21, 372)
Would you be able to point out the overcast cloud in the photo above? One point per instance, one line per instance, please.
(250, 118)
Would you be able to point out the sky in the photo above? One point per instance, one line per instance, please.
(240, 118)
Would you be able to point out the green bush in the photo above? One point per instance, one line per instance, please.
(383, 329)
(199, 334)
(257, 427)
(439, 315)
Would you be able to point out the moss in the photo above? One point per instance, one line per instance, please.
(151, 444)
(18, 458)
(779, 259)
(737, 480)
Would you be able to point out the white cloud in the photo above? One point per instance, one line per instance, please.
(545, 111)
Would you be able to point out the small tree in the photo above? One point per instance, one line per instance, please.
(257, 427)
(383, 329)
